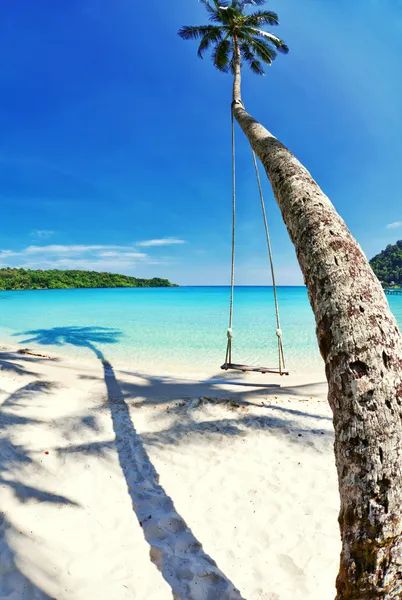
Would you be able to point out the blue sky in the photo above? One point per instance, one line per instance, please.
(115, 137)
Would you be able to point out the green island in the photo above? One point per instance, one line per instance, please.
(387, 265)
(27, 279)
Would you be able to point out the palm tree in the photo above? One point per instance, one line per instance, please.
(358, 336)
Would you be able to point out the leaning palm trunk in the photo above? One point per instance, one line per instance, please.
(361, 346)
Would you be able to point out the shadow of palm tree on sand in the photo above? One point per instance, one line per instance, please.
(189, 571)
(13, 458)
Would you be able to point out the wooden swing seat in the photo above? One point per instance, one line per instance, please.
(244, 368)
(228, 365)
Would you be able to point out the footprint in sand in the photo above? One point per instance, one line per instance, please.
(288, 564)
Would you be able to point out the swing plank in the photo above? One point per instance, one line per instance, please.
(244, 368)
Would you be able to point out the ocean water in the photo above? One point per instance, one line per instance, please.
(165, 327)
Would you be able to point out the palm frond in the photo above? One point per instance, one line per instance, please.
(190, 32)
(228, 15)
(221, 56)
(261, 17)
(210, 9)
(262, 49)
(250, 59)
(270, 37)
(221, 6)
(214, 36)
(246, 52)
(217, 13)
(256, 67)
(230, 22)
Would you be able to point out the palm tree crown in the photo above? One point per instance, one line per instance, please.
(233, 31)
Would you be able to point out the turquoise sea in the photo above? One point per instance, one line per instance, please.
(164, 327)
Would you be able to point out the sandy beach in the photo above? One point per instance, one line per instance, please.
(121, 484)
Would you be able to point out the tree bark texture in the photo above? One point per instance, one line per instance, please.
(361, 345)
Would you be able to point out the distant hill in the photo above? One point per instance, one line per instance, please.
(26, 279)
(388, 264)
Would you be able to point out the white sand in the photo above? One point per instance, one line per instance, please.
(136, 489)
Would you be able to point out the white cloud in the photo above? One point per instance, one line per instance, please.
(96, 257)
(74, 249)
(7, 253)
(42, 234)
(161, 242)
(57, 249)
(114, 253)
(116, 265)
(109, 254)
(134, 254)
(395, 225)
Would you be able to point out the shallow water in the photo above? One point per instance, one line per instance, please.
(165, 327)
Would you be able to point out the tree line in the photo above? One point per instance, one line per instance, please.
(27, 279)
(387, 265)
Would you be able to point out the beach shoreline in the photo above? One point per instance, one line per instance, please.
(169, 366)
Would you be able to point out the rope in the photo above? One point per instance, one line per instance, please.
(232, 276)
(281, 354)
